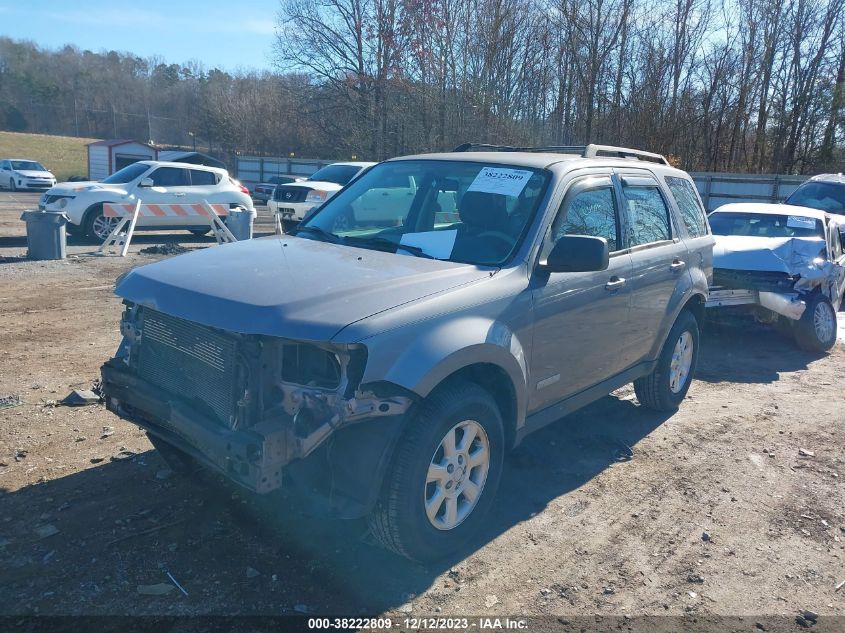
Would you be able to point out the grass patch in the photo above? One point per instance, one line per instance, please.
(65, 156)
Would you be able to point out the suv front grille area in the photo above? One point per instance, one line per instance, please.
(191, 361)
(290, 194)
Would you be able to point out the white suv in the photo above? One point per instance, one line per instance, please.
(294, 200)
(153, 182)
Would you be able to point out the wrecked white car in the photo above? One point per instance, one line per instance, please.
(784, 264)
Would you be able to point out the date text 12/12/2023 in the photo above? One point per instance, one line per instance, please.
(421, 623)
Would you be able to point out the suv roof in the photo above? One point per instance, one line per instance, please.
(542, 157)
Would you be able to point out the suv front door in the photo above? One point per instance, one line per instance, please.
(581, 318)
(659, 259)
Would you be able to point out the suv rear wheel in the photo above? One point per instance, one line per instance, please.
(816, 330)
(444, 476)
(665, 388)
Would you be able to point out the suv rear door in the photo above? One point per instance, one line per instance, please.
(581, 319)
(659, 258)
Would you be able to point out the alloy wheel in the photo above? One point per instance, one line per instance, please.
(679, 368)
(456, 475)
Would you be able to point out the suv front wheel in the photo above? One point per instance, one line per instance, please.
(444, 476)
(666, 386)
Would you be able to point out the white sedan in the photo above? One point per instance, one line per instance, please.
(153, 182)
(20, 173)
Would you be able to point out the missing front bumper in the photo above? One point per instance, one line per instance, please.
(789, 305)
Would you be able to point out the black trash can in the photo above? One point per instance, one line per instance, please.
(46, 235)
(239, 222)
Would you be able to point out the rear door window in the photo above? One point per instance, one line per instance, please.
(692, 213)
(590, 210)
(647, 212)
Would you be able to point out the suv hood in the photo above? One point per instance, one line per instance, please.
(791, 255)
(288, 287)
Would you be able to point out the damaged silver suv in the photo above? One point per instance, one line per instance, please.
(384, 358)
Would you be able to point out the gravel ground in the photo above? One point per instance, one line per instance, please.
(732, 506)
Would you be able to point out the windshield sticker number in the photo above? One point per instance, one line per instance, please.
(438, 244)
(505, 182)
(797, 222)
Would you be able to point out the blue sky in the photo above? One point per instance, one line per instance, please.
(229, 35)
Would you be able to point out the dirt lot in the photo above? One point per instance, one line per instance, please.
(602, 513)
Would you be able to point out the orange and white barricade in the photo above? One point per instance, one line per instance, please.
(129, 214)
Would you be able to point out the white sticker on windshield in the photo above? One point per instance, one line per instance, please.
(505, 182)
(798, 222)
(438, 244)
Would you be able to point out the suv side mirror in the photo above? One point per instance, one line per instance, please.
(146, 182)
(577, 254)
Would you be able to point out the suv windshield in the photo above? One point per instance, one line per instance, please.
(27, 165)
(127, 174)
(826, 196)
(338, 174)
(451, 210)
(765, 225)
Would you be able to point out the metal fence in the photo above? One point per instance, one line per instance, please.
(715, 188)
(251, 170)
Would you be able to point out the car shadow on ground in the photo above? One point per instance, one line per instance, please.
(120, 526)
(728, 346)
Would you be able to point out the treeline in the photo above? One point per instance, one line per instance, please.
(746, 85)
(118, 95)
(735, 85)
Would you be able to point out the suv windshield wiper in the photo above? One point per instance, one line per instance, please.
(383, 241)
(316, 230)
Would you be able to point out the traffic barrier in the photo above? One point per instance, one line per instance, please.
(129, 214)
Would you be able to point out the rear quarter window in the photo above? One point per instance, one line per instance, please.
(201, 177)
(692, 213)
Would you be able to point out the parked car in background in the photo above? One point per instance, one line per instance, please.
(386, 364)
(263, 191)
(782, 264)
(294, 200)
(20, 173)
(825, 192)
(153, 182)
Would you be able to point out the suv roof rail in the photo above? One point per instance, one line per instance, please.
(585, 151)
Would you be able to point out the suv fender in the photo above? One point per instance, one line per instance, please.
(686, 295)
(446, 349)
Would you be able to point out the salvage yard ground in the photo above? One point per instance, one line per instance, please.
(735, 505)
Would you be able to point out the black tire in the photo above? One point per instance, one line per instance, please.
(654, 391)
(74, 230)
(399, 521)
(199, 232)
(808, 335)
(12, 186)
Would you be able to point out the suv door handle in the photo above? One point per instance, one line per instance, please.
(677, 265)
(179, 195)
(615, 283)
